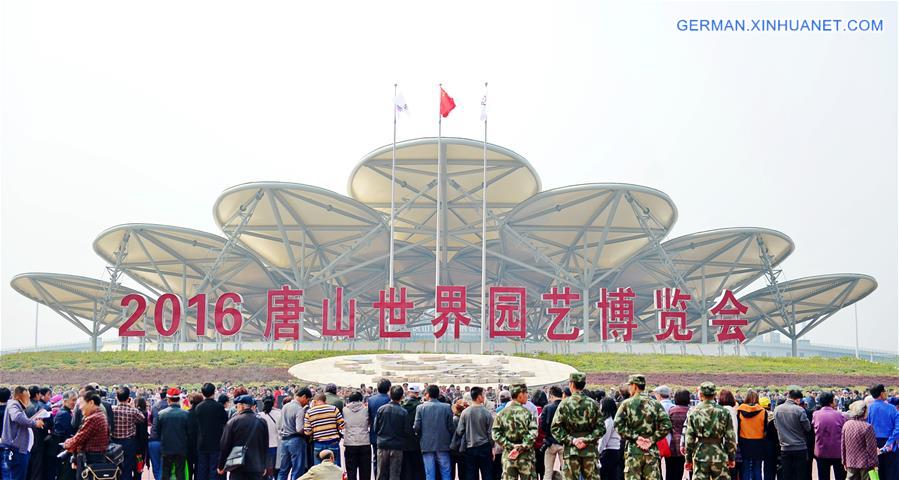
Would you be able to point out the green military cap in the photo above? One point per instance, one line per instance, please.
(707, 388)
(639, 380)
(577, 377)
(518, 388)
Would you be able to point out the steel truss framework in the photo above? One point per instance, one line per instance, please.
(583, 237)
(703, 265)
(168, 259)
(808, 302)
(79, 300)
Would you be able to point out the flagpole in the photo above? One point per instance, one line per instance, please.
(392, 208)
(484, 230)
(439, 193)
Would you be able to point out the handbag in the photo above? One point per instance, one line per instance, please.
(873, 475)
(664, 449)
(100, 471)
(115, 453)
(457, 445)
(237, 455)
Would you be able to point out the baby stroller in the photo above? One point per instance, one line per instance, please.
(98, 466)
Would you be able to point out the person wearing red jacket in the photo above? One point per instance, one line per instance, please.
(92, 439)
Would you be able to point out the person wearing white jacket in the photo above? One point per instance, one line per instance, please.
(356, 440)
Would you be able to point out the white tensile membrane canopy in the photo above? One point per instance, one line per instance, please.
(510, 180)
(586, 231)
(306, 234)
(581, 237)
(169, 259)
(809, 301)
(707, 262)
(80, 300)
(311, 238)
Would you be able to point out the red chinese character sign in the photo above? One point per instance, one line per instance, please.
(560, 306)
(723, 317)
(283, 316)
(671, 304)
(506, 315)
(616, 312)
(392, 312)
(507, 312)
(338, 330)
(452, 300)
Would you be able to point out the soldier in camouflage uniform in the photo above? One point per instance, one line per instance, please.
(641, 421)
(578, 426)
(709, 440)
(515, 429)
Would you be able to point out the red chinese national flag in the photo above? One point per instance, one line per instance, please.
(446, 103)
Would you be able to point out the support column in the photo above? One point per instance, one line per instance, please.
(586, 314)
(772, 274)
(442, 236)
(704, 313)
(95, 330)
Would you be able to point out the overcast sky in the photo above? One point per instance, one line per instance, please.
(118, 112)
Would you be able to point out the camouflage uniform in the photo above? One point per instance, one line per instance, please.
(641, 416)
(578, 417)
(709, 438)
(516, 426)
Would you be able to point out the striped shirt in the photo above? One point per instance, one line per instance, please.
(323, 423)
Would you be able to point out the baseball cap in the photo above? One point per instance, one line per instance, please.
(505, 395)
(173, 393)
(415, 388)
(765, 402)
(245, 399)
(663, 390)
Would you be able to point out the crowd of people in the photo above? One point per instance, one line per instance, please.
(421, 431)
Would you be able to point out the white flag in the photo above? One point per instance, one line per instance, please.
(484, 108)
(399, 102)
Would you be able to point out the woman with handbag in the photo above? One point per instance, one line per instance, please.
(674, 465)
(244, 445)
(858, 447)
(610, 459)
(271, 416)
(726, 399)
(752, 419)
(141, 438)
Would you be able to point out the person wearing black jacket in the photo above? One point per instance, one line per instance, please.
(770, 463)
(392, 432)
(142, 439)
(107, 410)
(551, 447)
(62, 431)
(193, 432)
(36, 469)
(245, 429)
(173, 427)
(211, 419)
(413, 464)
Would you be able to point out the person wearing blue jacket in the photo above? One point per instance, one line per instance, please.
(885, 420)
(374, 403)
(14, 448)
(433, 425)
